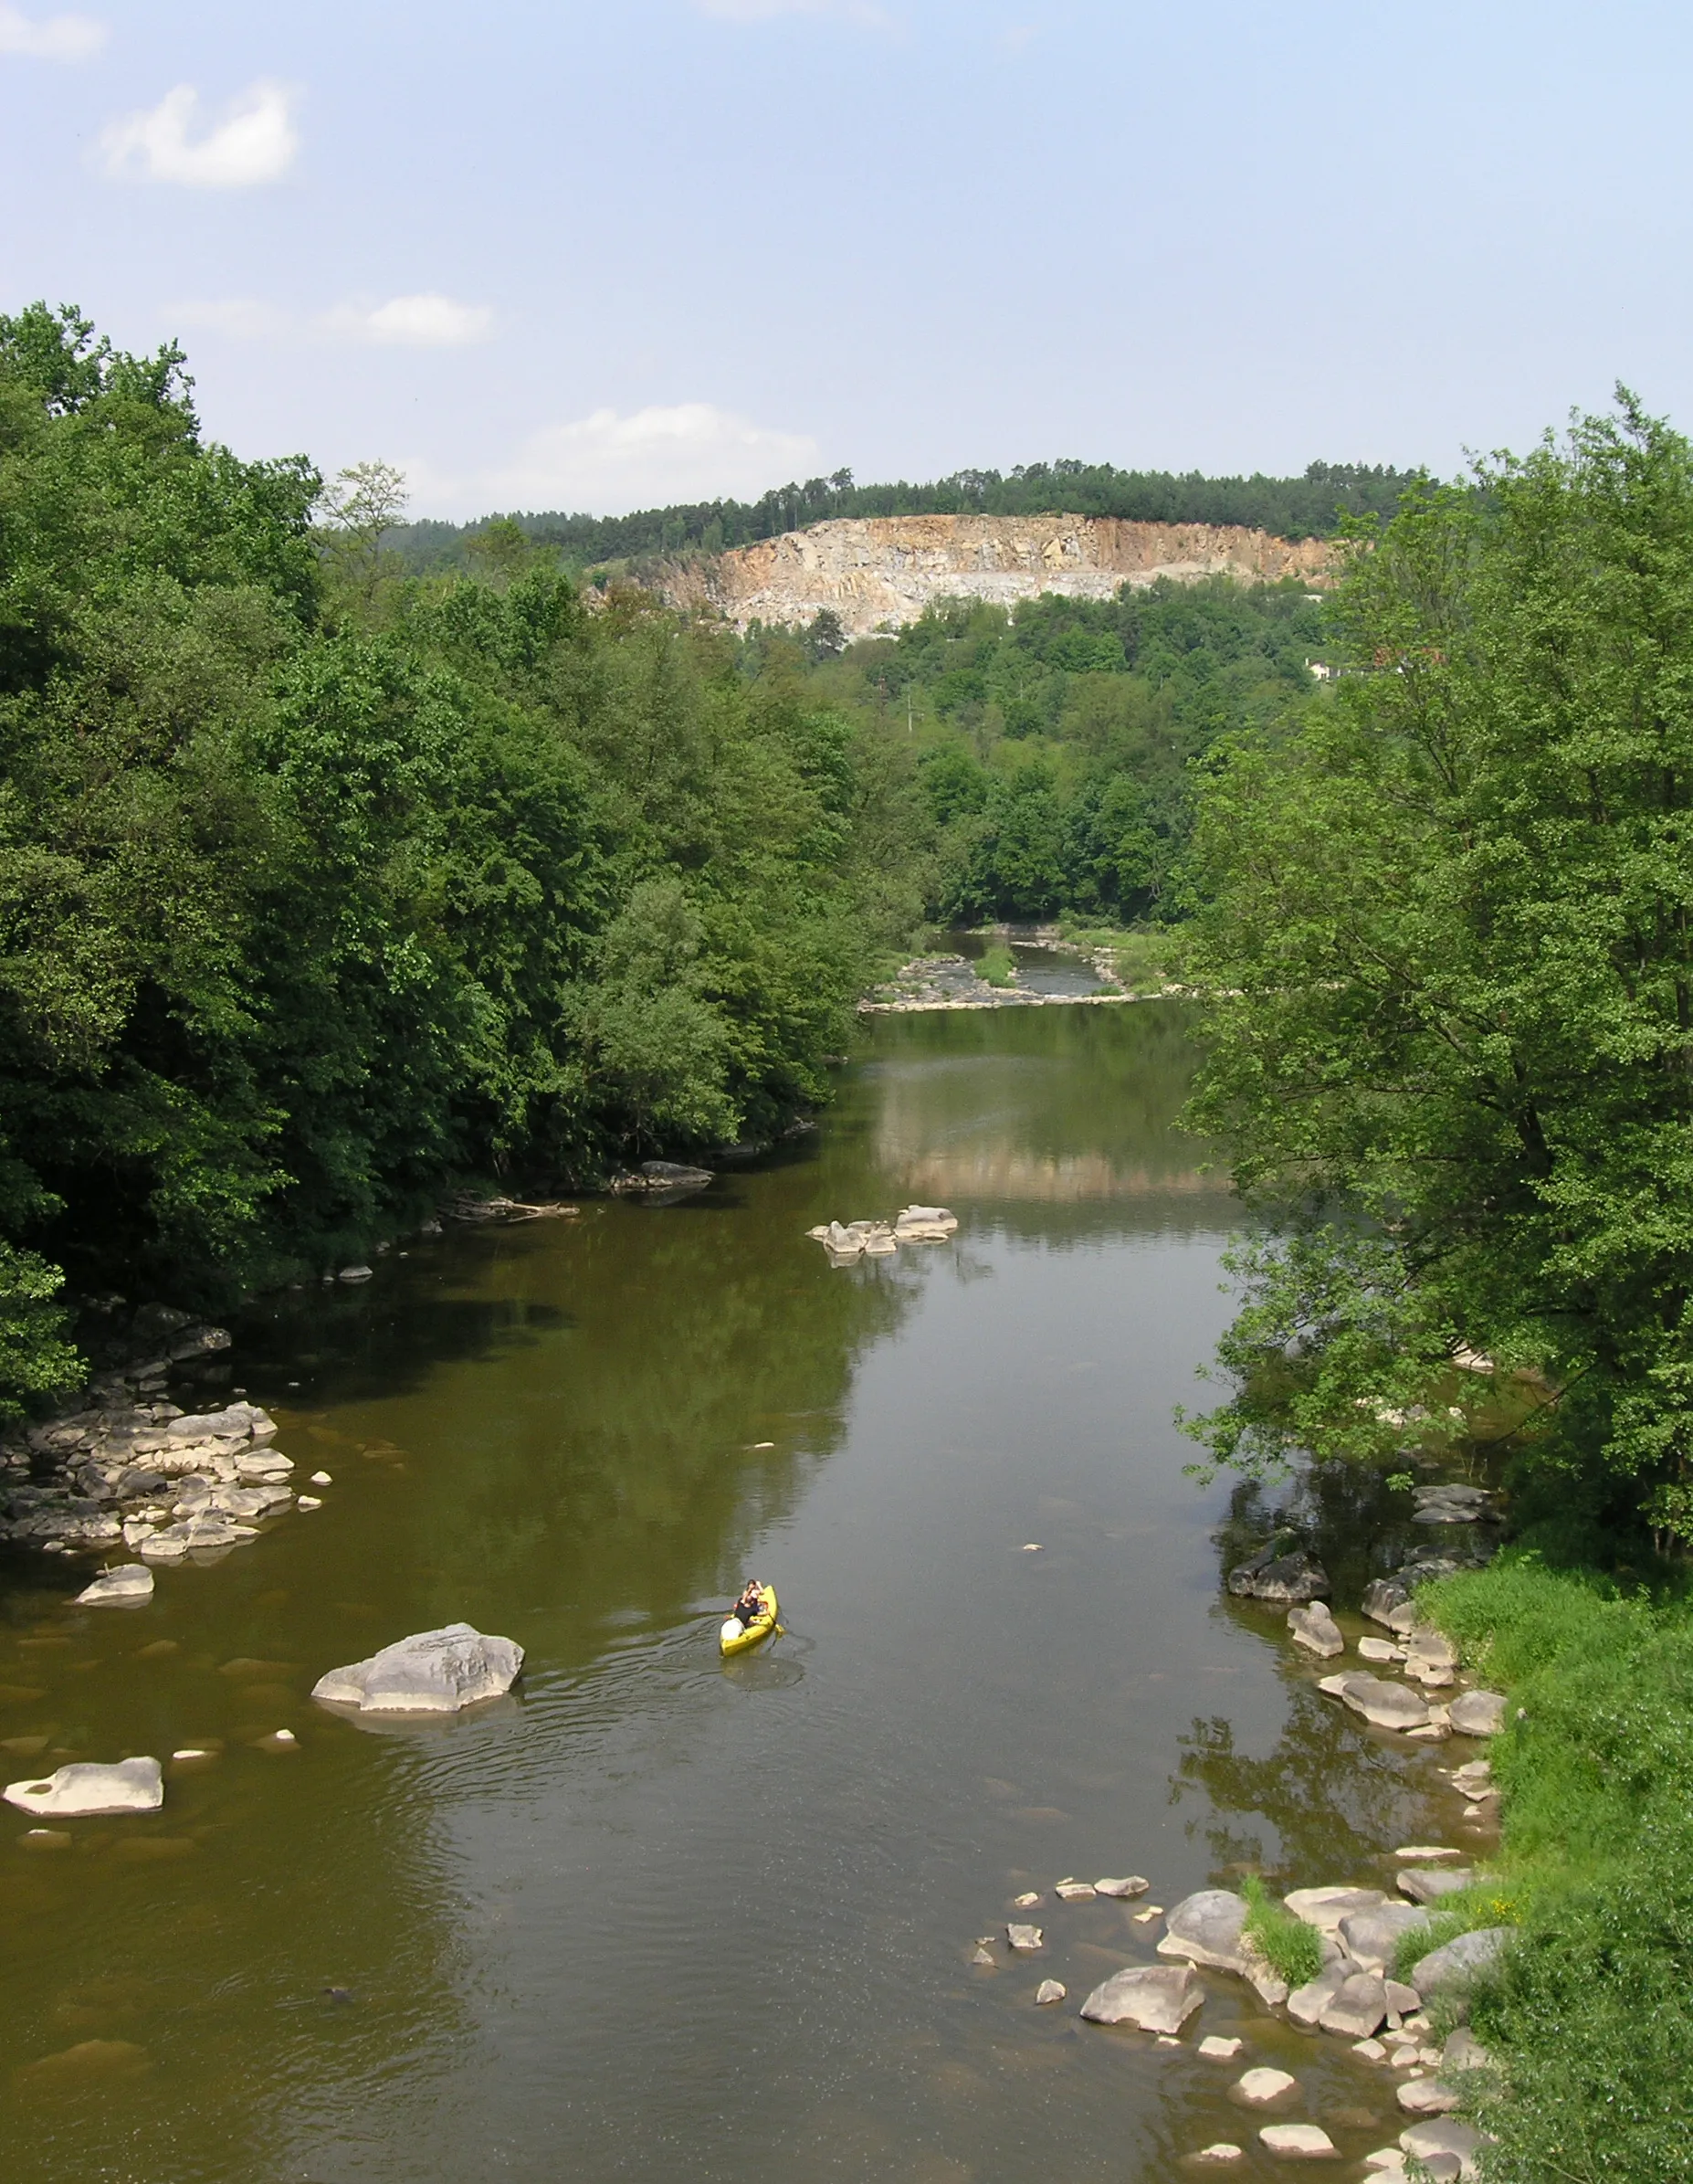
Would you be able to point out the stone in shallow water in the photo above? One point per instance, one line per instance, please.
(1385, 1705)
(1358, 2007)
(1050, 1990)
(1306, 2004)
(1221, 2151)
(87, 1788)
(1205, 1928)
(1296, 2142)
(1324, 1908)
(1220, 2050)
(1314, 1630)
(1028, 1902)
(436, 1672)
(1478, 1713)
(1025, 1937)
(1130, 1884)
(89, 2059)
(1264, 2084)
(1075, 1891)
(1426, 2096)
(131, 1582)
(1158, 1998)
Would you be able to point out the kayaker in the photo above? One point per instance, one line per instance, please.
(750, 1605)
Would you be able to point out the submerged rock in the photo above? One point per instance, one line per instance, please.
(1158, 1998)
(90, 1789)
(436, 1672)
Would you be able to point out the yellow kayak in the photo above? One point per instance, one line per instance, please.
(738, 1638)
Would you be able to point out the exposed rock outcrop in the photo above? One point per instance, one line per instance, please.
(882, 571)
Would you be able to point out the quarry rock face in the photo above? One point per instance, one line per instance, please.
(882, 571)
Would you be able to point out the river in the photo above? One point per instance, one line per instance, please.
(658, 1917)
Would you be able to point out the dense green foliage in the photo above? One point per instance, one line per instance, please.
(319, 886)
(1454, 904)
(1057, 743)
(1592, 2016)
(1308, 507)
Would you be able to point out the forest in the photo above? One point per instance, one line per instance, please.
(318, 885)
(1313, 505)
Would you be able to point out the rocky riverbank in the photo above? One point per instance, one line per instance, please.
(930, 982)
(1379, 1962)
(129, 1464)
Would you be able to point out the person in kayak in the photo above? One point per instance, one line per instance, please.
(750, 1605)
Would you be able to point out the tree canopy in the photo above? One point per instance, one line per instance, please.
(1454, 905)
(318, 885)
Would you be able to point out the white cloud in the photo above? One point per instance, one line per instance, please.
(426, 321)
(766, 11)
(56, 38)
(255, 141)
(607, 464)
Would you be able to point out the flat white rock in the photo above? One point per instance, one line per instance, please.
(1024, 1938)
(1265, 2085)
(1157, 1997)
(132, 1581)
(436, 1672)
(1221, 2151)
(88, 1789)
(1050, 1990)
(1220, 2050)
(1130, 1884)
(1296, 2142)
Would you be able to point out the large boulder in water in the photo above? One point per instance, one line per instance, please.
(1158, 1998)
(436, 1671)
(1208, 1928)
(1289, 1580)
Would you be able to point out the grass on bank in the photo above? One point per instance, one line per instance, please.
(1591, 2013)
(1290, 1946)
(998, 965)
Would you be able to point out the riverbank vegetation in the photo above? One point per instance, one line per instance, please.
(318, 885)
(1456, 1083)
(1591, 2009)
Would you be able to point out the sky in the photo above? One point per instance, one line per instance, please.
(541, 254)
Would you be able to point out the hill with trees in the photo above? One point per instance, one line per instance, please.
(1313, 505)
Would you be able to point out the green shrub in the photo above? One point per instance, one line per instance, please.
(998, 966)
(1285, 1943)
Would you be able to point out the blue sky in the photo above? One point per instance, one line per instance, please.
(601, 256)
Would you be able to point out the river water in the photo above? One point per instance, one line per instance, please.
(659, 1917)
